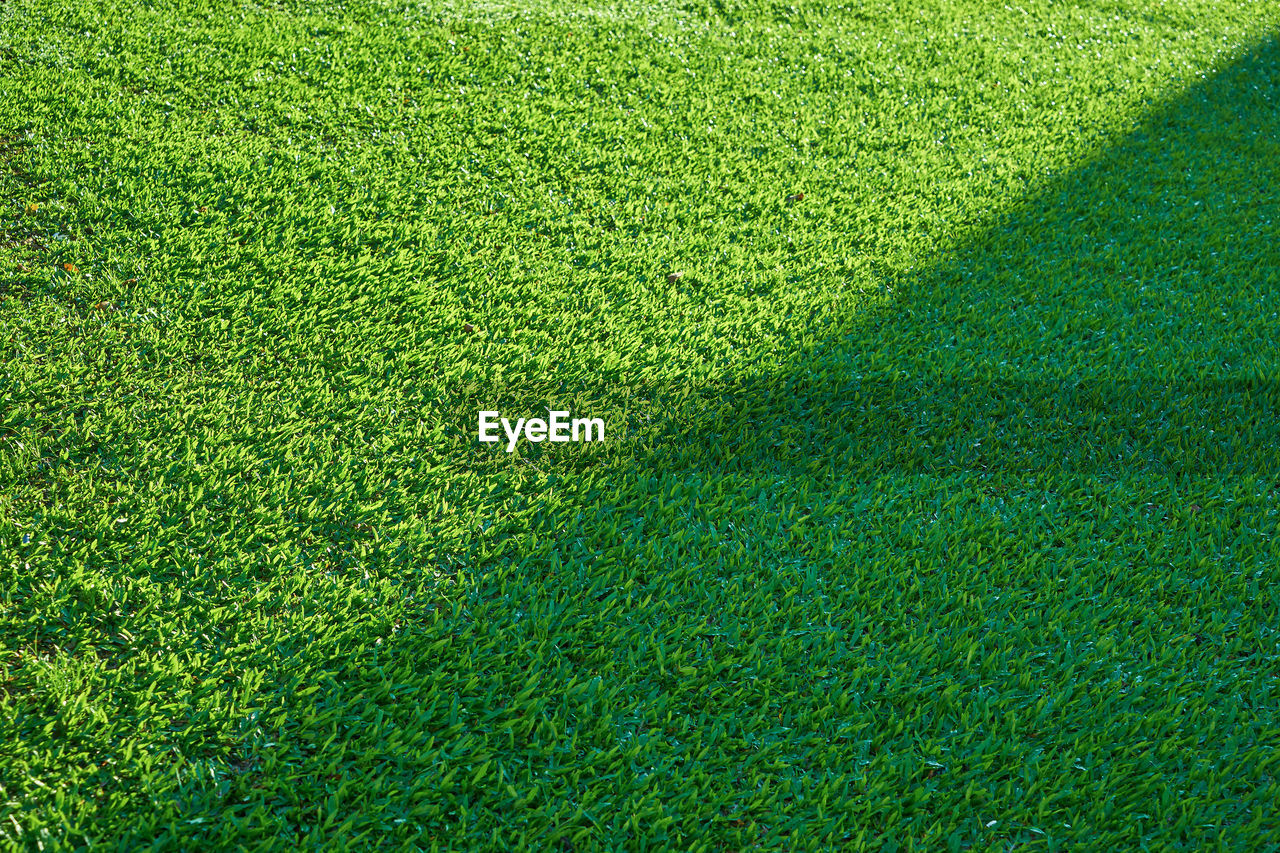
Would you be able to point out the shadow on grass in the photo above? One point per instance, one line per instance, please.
(1120, 325)
(1124, 321)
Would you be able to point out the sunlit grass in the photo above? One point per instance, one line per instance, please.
(937, 348)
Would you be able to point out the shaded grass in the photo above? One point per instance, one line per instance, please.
(941, 509)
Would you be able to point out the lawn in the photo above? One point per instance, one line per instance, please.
(937, 346)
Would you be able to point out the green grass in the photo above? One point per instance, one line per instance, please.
(938, 510)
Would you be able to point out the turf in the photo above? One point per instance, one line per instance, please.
(937, 348)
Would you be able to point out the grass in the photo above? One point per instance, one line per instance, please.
(938, 506)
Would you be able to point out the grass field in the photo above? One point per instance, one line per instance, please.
(938, 345)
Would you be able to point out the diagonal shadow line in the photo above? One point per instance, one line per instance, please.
(1125, 320)
(1121, 325)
